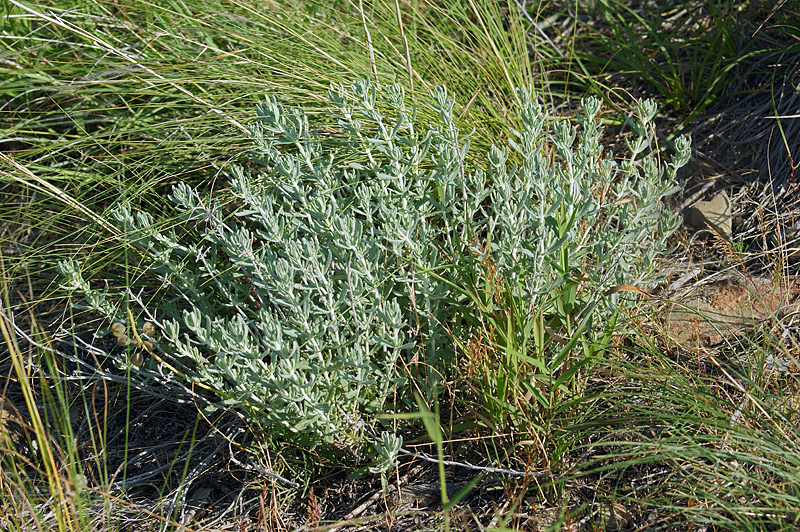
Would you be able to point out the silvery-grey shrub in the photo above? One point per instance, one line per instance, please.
(337, 261)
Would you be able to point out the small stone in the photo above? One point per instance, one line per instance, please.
(714, 214)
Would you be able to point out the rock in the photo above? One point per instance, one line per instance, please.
(714, 214)
(712, 313)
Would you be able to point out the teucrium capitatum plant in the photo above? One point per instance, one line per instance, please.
(343, 253)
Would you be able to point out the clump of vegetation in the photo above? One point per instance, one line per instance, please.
(103, 103)
(342, 254)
